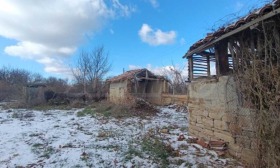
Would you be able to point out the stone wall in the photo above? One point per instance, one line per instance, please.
(215, 113)
(124, 91)
(154, 90)
(118, 92)
(167, 99)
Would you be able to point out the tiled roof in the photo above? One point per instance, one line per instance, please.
(126, 75)
(250, 17)
(138, 74)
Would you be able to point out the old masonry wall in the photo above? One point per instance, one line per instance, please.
(215, 113)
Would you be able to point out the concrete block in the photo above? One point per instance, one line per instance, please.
(199, 119)
(192, 118)
(205, 113)
(192, 123)
(227, 137)
(204, 136)
(196, 128)
(208, 132)
(208, 122)
(193, 132)
(198, 111)
(202, 126)
(216, 115)
(221, 125)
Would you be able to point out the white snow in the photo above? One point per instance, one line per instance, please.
(58, 138)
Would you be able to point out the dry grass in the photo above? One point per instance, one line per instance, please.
(258, 77)
(108, 109)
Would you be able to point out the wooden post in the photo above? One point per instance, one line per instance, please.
(208, 66)
(259, 45)
(190, 59)
(221, 53)
(252, 43)
(217, 62)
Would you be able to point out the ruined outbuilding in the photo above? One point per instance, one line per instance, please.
(34, 93)
(217, 110)
(139, 83)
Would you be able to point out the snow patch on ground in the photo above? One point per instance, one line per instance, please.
(58, 138)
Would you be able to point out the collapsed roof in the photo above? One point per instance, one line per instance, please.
(138, 74)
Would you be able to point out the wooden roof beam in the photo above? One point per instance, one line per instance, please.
(241, 28)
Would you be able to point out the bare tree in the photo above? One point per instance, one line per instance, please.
(99, 66)
(177, 80)
(80, 72)
(36, 78)
(91, 69)
(57, 85)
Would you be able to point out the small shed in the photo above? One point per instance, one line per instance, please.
(140, 83)
(34, 93)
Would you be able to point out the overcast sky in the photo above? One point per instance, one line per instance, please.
(46, 36)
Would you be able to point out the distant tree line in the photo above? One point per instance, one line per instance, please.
(88, 80)
(14, 80)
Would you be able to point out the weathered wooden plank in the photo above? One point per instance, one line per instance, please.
(199, 63)
(208, 66)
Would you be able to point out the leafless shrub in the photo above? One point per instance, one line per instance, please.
(5, 90)
(257, 72)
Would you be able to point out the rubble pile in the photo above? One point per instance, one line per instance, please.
(144, 106)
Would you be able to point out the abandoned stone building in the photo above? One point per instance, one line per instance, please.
(218, 65)
(139, 83)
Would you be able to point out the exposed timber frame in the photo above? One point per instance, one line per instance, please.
(220, 51)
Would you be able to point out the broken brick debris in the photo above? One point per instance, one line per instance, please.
(220, 147)
(181, 137)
